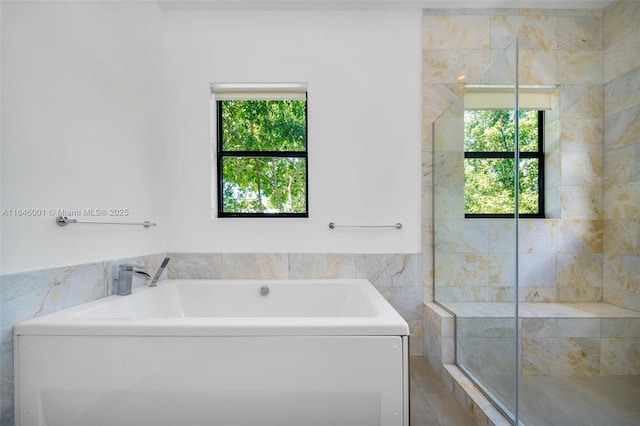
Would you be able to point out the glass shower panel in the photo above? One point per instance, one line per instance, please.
(475, 259)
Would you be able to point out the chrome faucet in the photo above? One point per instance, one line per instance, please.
(122, 286)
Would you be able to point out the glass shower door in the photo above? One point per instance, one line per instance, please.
(475, 256)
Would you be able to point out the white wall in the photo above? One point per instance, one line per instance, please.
(94, 116)
(363, 73)
(81, 128)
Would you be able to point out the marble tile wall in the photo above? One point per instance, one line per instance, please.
(622, 154)
(35, 293)
(439, 337)
(561, 257)
(31, 294)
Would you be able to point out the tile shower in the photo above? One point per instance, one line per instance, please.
(579, 268)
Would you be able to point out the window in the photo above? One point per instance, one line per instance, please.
(261, 139)
(489, 143)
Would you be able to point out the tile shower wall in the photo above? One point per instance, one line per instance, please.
(474, 259)
(622, 155)
(31, 294)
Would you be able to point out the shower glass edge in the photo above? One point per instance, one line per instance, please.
(475, 260)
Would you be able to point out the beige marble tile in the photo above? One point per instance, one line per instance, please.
(436, 98)
(461, 236)
(552, 134)
(450, 202)
(622, 237)
(622, 201)
(552, 205)
(620, 356)
(580, 236)
(537, 236)
(622, 128)
(582, 168)
(620, 21)
(581, 100)
(533, 32)
(432, 344)
(427, 207)
(427, 169)
(475, 294)
(448, 168)
(432, 402)
(462, 270)
(622, 165)
(622, 280)
(391, 270)
(580, 32)
(581, 202)
(331, 265)
(622, 57)
(502, 236)
(552, 170)
(537, 270)
(485, 327)
(560, 327)
(502, 69)
(603, 310)
(455, 32)
(622, 92)
(445, 66)
(621, 297)
(502, 270)
(580, 66)
(620, 327)
(228, 265)
(560, 356)
(416, 343)
(487, 355)
(537, 294)
(539, 67)
(581, 135)
(427, 135)
(579, 277)
(449, 134)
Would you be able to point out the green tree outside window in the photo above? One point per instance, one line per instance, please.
(262, 158)
(489, 174)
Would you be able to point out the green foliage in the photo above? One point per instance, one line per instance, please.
(270, 183)
(264, 125)
(490, 182)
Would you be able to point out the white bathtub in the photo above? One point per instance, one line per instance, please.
(217, 352)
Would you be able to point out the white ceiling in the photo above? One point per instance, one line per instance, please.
(384, 4)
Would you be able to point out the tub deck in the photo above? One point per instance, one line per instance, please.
(346, 307)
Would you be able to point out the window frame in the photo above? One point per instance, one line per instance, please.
(221, 154)
(539, 155)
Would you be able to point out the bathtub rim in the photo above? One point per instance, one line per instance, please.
(386, 322)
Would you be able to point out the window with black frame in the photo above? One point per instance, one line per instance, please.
(489, 178)
(261, 138)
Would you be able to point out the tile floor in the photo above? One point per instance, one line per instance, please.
(572, 400)
(432, 404)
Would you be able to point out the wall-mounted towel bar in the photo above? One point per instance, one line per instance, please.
(64, 221)
(333, 226)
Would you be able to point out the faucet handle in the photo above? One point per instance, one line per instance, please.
(130, 267)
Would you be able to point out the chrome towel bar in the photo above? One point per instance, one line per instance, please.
(396, 226)
(64, 221)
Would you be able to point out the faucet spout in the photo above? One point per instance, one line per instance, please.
(122, 286)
